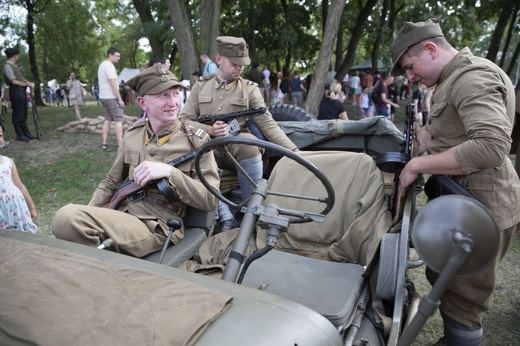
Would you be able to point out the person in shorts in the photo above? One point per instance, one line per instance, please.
(110, 97)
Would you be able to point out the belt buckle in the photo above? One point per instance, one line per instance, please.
(136, 196)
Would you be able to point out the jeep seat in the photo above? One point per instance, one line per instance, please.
(198, 225)
(325, 265)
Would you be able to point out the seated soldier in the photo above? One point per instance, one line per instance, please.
(139, 227)
(227, 92)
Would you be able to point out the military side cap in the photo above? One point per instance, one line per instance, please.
(410, 34)
(153, 80)
(234, 48)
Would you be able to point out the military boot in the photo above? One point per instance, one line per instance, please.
(19, 133)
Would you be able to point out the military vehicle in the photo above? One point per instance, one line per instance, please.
(321, 258)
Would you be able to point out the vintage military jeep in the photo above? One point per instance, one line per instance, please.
(320, 258)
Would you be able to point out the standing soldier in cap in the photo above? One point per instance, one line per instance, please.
(227, 92)
(139, 227)
(17, 94)
(468, 136)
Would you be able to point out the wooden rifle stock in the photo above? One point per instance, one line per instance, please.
(130, 189)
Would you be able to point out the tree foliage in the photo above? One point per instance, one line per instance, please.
(284, 34)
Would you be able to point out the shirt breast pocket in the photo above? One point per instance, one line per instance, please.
(442, 120)
(131, 159)
(437, 108)
(238, 102)
(205, 104)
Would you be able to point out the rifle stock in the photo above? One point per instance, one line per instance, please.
(129, 188)
(125, 190)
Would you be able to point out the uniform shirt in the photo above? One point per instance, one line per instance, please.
(472, 111)
(211, 97)
(106, 71)
(141, 144)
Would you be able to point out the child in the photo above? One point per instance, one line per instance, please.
(17, 209)
(366, 106)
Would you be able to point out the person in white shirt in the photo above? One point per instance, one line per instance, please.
(354, 86)
(267, 84)
(109, 96)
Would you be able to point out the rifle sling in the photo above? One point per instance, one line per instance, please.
(164, 204)
(162, 184)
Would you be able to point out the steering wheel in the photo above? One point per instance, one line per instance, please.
(301, 217)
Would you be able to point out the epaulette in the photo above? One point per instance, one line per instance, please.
(194, 131)
(200, 133)
(139, 123)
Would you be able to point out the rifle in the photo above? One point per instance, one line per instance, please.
(130, 190)
(36, 117)
(234, 127)
(227, 117)
(411, 147)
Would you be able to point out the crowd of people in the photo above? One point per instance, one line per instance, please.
(464, 132)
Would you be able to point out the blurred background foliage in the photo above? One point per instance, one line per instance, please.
(59, 36)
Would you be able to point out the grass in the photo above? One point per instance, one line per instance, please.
(67, 167)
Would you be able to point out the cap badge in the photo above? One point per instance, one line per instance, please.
(163, 72)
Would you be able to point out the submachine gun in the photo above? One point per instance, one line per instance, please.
(130, 190)
(230, 119)
(394, 162)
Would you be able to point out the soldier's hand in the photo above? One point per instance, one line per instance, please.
(219, 129)
(147, 171)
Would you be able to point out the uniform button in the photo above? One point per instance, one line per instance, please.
(429, 122)
(221, 97)
(433, 138)
(152, 153)
(219, 108)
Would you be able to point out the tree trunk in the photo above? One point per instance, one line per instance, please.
(142, 8)
(496, 38)
(355, 35)
(32, 53)
(288, 57)
(514, 59)
(210, 26)
(514, 15)
(184, 36)
(315, 93)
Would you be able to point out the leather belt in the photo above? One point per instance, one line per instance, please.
(164, 204)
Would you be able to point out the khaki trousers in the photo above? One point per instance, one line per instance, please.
(467, 298)
(91, 225)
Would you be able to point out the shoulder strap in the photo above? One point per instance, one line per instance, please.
(245, 92)
(189, 134)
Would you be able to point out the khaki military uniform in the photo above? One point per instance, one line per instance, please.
(139, 227)
(472, 112)
(211, 97)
